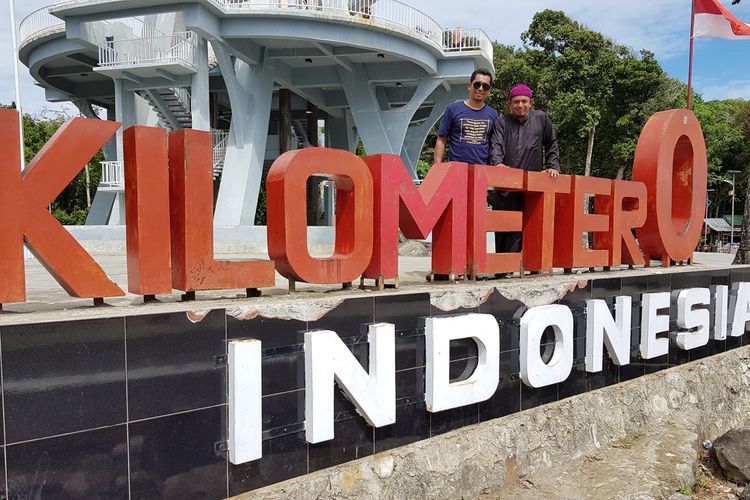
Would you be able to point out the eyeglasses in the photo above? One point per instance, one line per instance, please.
(484, 86)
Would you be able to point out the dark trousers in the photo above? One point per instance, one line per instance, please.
(507, 200)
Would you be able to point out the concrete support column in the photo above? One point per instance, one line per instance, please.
(381, 130)
(124, 112)
(199, 99)
(250, 90)
(285, 120)
(341, 133)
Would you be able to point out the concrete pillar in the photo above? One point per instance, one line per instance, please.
(124, 112)
(199, 100)
(285, 120)
(250, 90)
(381, 130)
(341, 133)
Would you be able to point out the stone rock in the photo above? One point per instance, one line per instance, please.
(733, 452)
(745, 495)
(412, 248)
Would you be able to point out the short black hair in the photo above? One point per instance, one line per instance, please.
(481, 71)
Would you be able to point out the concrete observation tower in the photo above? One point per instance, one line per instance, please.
(264, 76)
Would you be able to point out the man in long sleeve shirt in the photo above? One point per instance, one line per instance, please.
(523, 139)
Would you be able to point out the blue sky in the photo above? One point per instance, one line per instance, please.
(722, 68)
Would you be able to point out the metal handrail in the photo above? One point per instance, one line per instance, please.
(113, 174)
(163, 49)
(38, 24)
(221, 138)
(389, 14)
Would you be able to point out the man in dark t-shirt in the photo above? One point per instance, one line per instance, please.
(523, 139)
(467, 125)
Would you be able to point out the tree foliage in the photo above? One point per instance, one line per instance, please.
(71, 206)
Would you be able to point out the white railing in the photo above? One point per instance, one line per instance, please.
(178, 47)
(113, 175)
(388, 13)
(39, 23)
(184, 96)
(462, 39)
(139, 27)
(221, 138)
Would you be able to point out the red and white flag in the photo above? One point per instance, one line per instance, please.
(713, 20)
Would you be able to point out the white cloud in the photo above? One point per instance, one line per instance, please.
(734, 89)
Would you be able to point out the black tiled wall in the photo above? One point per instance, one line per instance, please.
(136, 407)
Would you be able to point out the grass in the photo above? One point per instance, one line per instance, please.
(629, 440)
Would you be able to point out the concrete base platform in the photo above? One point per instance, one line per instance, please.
(47, 301)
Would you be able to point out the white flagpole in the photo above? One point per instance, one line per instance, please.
(17, 78)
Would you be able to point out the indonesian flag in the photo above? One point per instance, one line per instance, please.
(713, 20)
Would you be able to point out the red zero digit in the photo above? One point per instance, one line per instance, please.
(671, 161)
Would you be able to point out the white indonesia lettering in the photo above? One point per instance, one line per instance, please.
(374, 394)
(653, 324)
(245, 416)
(534, 371)
(740, 308)
(481, 385)
(694, 323)
(721, 312)
(602, 328)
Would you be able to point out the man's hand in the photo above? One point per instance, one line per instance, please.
(552, 172)
(502, 165)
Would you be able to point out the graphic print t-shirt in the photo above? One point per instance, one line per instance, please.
(468, 131)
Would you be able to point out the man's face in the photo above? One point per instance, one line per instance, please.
(479, 89)
(520, 106)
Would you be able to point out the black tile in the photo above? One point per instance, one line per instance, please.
(404, 311)
(90, 464)
(656, 364)
(172, 363)
(576, 383)
(717, 347)
(63, 377)
(507, 397)
(720, 277)
(463, 348)
(282, 410)
(348, 319)
(701, 280)
(283, 373)
(283, 458)
(510, 334)
(412, 425)
(636, 368)
(353, 439)
(610, 375)
(272, 332)
(700, 352)
(677, 356)
(176, 457)
(634, 286)
(531, 397)
(455, 418)
(462, 369)
(733, 343)
(659, 283)
(501, 308)
(410, 349)
(410, 385)
(606, 288)
(578, 296)
(681, 281)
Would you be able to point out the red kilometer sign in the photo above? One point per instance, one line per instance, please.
(169, 212)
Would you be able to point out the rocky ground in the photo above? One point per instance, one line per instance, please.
(672, 465)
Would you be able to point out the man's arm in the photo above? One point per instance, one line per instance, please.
(497, 143)
(442, 141)
(550, 145)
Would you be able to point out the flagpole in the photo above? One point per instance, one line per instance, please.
(692, 45)
(17, 80)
